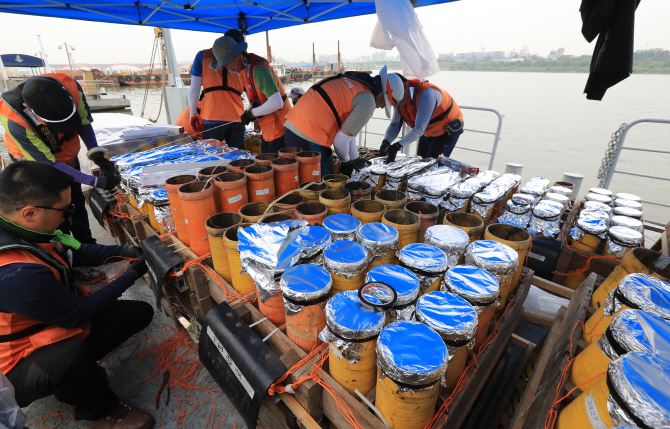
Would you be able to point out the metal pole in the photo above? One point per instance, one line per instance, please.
(173, 70)
(267, 44)
(5, 79)
(68, 60)
(44, 54)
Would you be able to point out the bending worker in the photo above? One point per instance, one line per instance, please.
(435, 118)
(331, 113)
(43, 119)
(221, 98)
(269, 103)
(52, 333)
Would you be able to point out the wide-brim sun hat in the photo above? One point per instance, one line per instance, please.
(225, 50)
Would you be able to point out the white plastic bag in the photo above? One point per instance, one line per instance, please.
(542, 303)
(398, 26)
(11, 415)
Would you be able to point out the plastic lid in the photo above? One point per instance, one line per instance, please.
(399, 278)
(412, 353)
(305, 282)
(631, 197)
(625, 236)
(627, 211)
(637, 330)
(627, 222)
(376, 232)
(447, 238)
(646, 293)
(423, 257)
(341, 223)
(598, 197)
(619, 202)
(601, 191)
(449, 315)
(476, 285)
(345, 252)
(348, 318)
(492, 256)
(642, 382)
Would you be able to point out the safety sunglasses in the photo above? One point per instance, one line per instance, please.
(69, 209)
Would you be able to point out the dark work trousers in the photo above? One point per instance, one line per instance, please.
(433, 147)
(232, 133)
(294, 140)
(77, 225)
(68, 369)
(272, 146)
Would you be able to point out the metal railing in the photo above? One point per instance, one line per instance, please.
(620, 146)
(362, 136)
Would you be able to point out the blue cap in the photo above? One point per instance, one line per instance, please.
(347, 317)
(299, 242)
(376, 232)
(637, 330)
(341, 223)
(641, 291)
(476, 285)
(305, 282)
(411, 353)
(449, 315)
(424, 257)
(405, 283)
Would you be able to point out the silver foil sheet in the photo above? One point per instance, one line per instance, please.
(636, 331)
(642, 382)
(449, 239)
(378, 247)
(341, 226)
(408, 352)
(561, 190)
(627, 222)
(163, 215)
(427, 262)
(644, 292)
(625, 196)
(546, 220)
(487, 176)
(621, 237)
(348, 319)
(601, 191)
(627, 211)
(595, 205)
(598, 198)
(628, 203)
(559, 198)
(266, 250)
(403, 312)
(480, 207)
(433, 184)
(536, 187)
(514, 219)
(395, 178)
(346, 259)
(592, 223)
(497, 258)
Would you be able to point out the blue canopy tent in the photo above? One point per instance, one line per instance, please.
(200, 15)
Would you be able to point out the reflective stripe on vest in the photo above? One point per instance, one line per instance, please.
(222, 93)
(272, 125)
(446, 112)
(64, 147)
(21, 336)
(315, 118)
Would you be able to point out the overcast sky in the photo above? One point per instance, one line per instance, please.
(462, 26)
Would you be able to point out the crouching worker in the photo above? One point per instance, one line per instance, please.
(52, 333)
(435, 118)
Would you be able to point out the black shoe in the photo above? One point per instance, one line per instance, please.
(86, 274)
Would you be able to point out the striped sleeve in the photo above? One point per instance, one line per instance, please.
(30, 145)
(84, 109)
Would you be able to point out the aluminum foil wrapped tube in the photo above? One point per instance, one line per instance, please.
(412, 354)
(378, 238)
(621, 237)
(545, 220)
(341, 226)
(433, 184)
(406, 285)
(635, 331)
(449, 239)
(398, 176)
(427, 262)
(345, 258)
(349, 324)
(640, 291)
(267, 250)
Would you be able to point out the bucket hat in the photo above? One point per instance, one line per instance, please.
(225, 50)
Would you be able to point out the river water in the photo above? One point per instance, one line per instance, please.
(548, 126)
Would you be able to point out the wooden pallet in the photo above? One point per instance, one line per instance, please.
(538, 397)
(309, 399)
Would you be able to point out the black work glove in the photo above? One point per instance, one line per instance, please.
(383, 150)
(247, 117)
(107, 167)
(108, 182)
(360, 163)
(393, 150)
(132, 251)
(139, 267)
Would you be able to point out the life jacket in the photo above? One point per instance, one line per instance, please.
(272, 125)
(184, 120)
(222, 94)
(446, 112)
(65, 147)
(19, 335)
(327, 104)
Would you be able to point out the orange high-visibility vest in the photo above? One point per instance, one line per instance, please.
(30, 334)
(64, 147)
(315, 118)
(272, 125)
(446, 112)
(184, 120)
(222, 93)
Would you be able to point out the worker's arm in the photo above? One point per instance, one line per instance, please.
(425, 107)
(34, 149)
(395, 126)
(196, 84)
(32, 291)
(362, 108)
(265, 83)
(94, 255)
